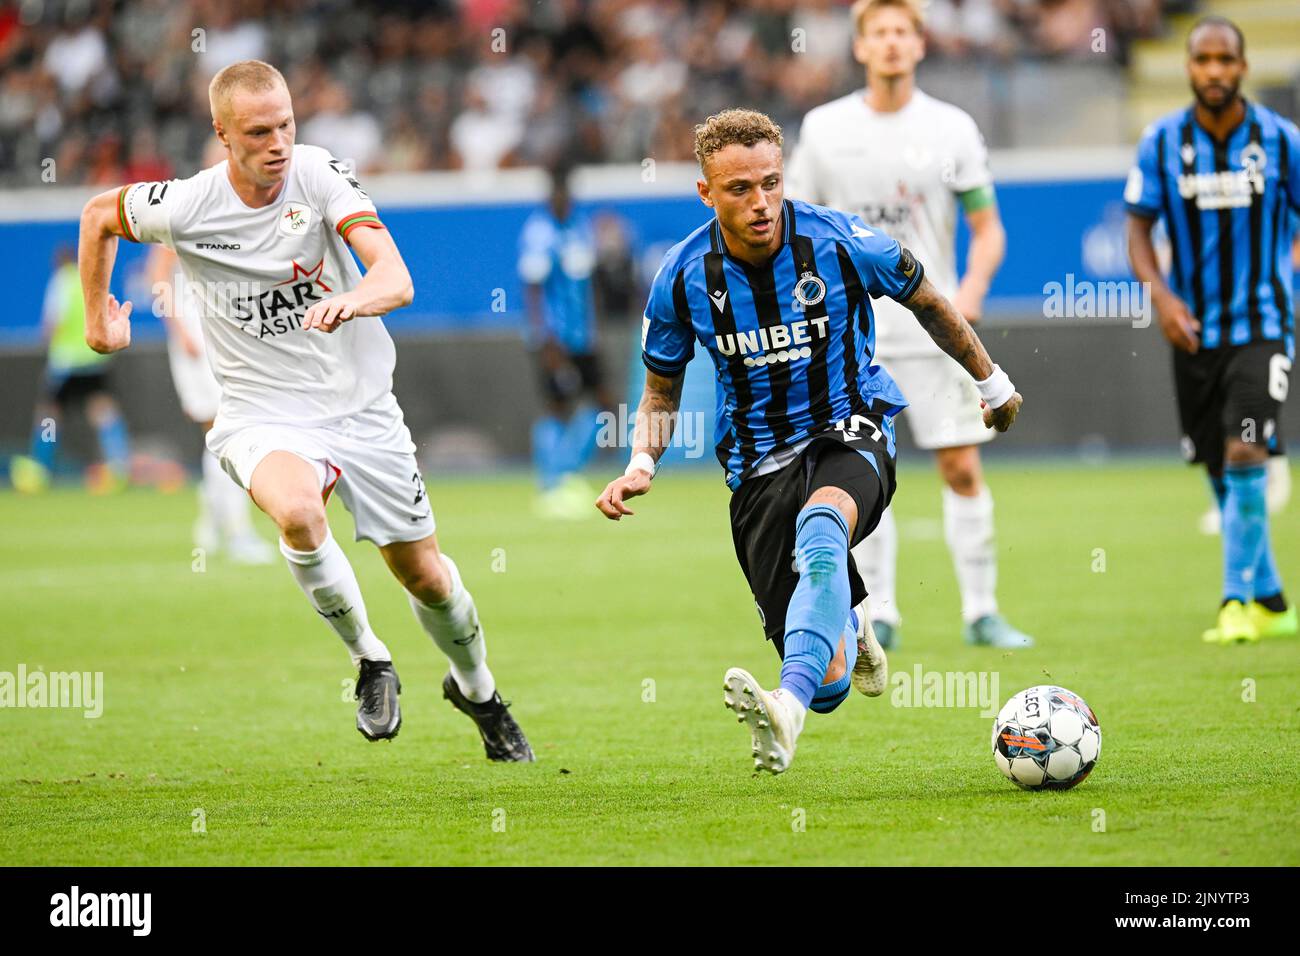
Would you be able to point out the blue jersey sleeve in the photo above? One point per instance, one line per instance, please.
(1142, 189)
(886, 267)
(667, 339)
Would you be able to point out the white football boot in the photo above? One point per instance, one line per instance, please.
(775, 719)
(871, 672)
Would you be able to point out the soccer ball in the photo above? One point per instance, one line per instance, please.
(1046, 738)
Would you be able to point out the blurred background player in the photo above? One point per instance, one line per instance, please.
(557, 261)
(225, 511)
(1224, 175)
(75, 377)
(779, 294)
(901, 160)
(305, 363)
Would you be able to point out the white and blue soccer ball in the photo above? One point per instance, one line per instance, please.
(1046, 738)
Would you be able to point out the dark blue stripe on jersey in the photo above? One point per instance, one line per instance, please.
(818, 382)
(856, 296)
(1281, 294)
(1257, 239)
(735, 380)
(1193, 217)
(759, 294)
(1162, 140)
(1226, 247)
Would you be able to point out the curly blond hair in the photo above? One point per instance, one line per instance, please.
(724, 129)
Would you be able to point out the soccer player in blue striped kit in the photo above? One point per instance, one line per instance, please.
(777, 292)
(1224, 174)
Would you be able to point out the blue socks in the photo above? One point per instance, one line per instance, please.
(41, 450)
(548, 441)
(820, 604)
(561, 448)
(113, 443)
(579, 441)
(1267, 580)
(1245, 532)
(829, 696)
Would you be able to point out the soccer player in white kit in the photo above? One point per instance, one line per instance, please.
(295, 338)
(224, 522)
(902, 160)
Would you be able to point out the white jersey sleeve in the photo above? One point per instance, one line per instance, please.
(970, 157)
(148, 212)
(340, 197)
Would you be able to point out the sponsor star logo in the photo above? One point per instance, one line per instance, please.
(313, 274)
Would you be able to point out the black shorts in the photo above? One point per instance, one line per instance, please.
(764, 509)
(1230, 392)
(71, 387)
(579, 374)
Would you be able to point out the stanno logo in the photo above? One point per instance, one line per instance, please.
(217, 245)
(103, 909)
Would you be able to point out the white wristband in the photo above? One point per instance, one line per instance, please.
(997, 389)
(641, 461)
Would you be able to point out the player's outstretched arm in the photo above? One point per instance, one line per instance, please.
(656, 417)
(952, 333)
(108, 323)
(385, 287)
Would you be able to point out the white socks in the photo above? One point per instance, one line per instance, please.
(327, 579)
(454, 627)
(877, 560)
(227, 504)
(968, 526)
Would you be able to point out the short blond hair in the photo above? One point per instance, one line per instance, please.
(863, 9)
(252, 76)
(729, 127)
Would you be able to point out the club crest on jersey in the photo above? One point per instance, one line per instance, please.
(810, 289)
(295, 219)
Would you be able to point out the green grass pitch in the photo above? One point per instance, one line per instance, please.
(224, 694)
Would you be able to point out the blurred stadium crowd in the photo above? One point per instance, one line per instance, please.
(115, 90)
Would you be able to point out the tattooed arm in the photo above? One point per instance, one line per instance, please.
(656, 417)
(952, 333)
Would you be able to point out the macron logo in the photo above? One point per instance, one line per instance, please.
(860, 233)
(719, 300)
(103, 909)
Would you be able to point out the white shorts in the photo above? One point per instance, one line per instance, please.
(196, 386)
(943, 408)
(369, 457)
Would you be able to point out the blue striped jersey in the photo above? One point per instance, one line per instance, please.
(791, 340)
(1227, 207)
(561, 257)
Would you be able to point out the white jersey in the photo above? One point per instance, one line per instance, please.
(251, 275)
(901, 171)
